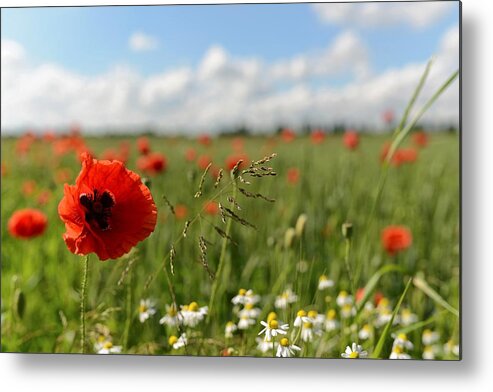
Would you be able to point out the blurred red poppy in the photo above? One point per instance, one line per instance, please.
(404, 155)
(420, 138)
(204, 139)
(181, 211)
(293, 175)
(377, 297)
(204, 161)
(152, 164)
(317, 136)
(27, 223)
(351, 140)
(211, 207)
(238, 143)
(232, 160)
(28, 187)
(360, 293)
(143, 145)
(288, 135)
(388, 116)
(44, 197)
(108, 210)
(396, 239)
(190, 154)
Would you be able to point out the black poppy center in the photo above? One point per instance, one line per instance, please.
(97, 207)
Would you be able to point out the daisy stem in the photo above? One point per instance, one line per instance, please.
(222, 256)
(273, 347)
(83, 285)
(348, 266)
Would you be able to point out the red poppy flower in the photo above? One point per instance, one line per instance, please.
(377, 297)
(396, 239)
(317, 136)
(232, 160)
(24, 143)
(388, 116)
(211, 207)
(190, 154)
(181, 211)
(360, 293)
(49, 136)
(28, 187)
(420, 138)
(351, 140)
(288, 135)
(143, 145)
(293, 175)
(27, 223)
(404, 155)
(204, 161)
(62, 175)
(44, 197)
(205, 140)
(108, 210)
(152, 164)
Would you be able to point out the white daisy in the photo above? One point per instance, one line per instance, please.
(301, 317)
(347, 310)
(229, 329)
(429, 352)
(365, 332)
(407, 317)
(286, 350)
(245, 297)
(429, 337)
(264, 346)
(402, 340)
(249, 311)
(272, 328)
(331, 322)
(451, 348)
(193, 314)
(355, 351)
(172, 318)
(286, 298)
(146, 309)
(178, 343)
(324, 282)
(398, 353)
(107, 347)
(245, 322)
(316, 319)
(344, 299)
(307, 332)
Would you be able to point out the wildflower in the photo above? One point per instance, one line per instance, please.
(354, 352)
(396, 239)
(398, 353)
(204, 139)
(271, 316)
(351, 140)
(229, 329)
(245, 297)
(181, 211)
(402, 340)
(232, 160)
(178, 342)
(365, 332)
(286, 350)
(388, 116)
(211, 207)
(301, 317)
(108, 210)
(407, 317)
(272, 329)
(317, 136)
(107, 347)
(293, 175)
(28, 187)
(316, 319)
(249, 311)
(146, 309)
(451, 348)
(193, 314)
(190, 154)
(324, 282)
(347, 310)
(420, 138)
(263, 345)
(331, 322)
(143, 145)
(27, 223)
(404, 155)
(344, 299)
(245, 322)
(429, 352)
(152, 164)
(286, 298)
(288, 135)
(383, 317)
(307, 332)
(204, 161)
(172, 318)
(429, 337)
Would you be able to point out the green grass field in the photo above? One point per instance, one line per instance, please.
(41, 278)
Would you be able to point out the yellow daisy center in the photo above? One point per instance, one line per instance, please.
(193, 307)
(242, 292)
(271, 316)
(331, 314)
(273, 324)
(249, 306)
(307, 325)
(107, 345)
(312, 313)
(301, 313)
(284, 342)
(354, 354)
(172, 340)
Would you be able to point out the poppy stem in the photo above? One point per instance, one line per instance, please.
(83, 285)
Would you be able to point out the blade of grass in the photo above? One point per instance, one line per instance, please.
(381, 341)
(425, 288)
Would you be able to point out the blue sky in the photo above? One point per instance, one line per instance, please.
(91, 41)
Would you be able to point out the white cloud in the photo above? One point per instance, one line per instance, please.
(224, 91)
(415, 14)
(140, 42)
